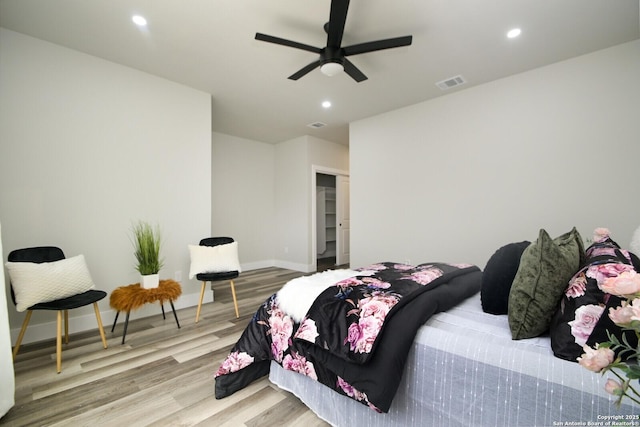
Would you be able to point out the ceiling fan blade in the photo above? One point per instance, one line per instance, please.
(337, 20)
(285, 42)
(305, 70)
(353, 71)
(357, 49)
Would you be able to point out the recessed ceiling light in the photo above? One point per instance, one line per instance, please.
(139, 20)
(326, 104)
(514, 33)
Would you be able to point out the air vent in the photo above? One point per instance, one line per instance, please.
(317, 125)
(451, 82)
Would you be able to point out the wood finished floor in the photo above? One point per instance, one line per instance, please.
(162, 376)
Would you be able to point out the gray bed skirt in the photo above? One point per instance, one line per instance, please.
(464, 370)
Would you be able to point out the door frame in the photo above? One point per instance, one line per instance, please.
(315, 169)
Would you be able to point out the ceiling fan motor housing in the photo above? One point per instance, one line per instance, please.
(331, 54)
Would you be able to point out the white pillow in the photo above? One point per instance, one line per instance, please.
(34, 283)
(213, 259)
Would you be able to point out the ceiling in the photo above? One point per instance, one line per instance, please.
(209, 45)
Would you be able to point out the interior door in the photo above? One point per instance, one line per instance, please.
(343, 220)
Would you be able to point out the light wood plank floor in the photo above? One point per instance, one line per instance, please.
(162, 376)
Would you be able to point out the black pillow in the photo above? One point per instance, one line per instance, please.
(498, 276)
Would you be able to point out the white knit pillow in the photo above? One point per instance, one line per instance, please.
(34, 283)
(213, 259)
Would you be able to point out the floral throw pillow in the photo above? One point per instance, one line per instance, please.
(582, 317)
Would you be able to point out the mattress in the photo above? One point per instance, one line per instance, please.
(465, 370)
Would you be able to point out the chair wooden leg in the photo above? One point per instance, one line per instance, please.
(66, 326)
(22, 331)
(59, 342)
(235, 302)
(200, 302)
(100, 328)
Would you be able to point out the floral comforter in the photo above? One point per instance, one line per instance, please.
(356, 336)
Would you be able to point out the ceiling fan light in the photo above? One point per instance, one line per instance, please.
(331, 68)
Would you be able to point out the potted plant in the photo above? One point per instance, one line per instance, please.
(146, 241)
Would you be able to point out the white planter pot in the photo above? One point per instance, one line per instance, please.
(150, 281)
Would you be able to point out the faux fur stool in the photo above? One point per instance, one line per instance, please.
(131, 297)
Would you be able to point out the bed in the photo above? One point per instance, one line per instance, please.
(465, 370)
(445, 356)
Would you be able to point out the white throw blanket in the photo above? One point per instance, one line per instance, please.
(297, 295)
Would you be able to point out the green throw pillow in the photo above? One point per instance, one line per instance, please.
(546, 267)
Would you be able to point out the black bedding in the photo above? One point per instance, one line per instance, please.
(356, 336)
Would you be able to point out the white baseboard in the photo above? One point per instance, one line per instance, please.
(86, 322)
(257, 265)
(305, 268)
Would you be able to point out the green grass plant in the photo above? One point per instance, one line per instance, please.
(146, 241)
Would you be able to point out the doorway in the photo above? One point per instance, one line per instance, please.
(326, 220)
(331, 223)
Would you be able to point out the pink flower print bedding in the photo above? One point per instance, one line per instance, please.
(357, 333)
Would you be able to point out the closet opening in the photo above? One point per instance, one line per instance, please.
(326, 212)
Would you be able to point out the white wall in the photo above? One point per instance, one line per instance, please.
(295, 160)
(292, 203)
(243, 201)
(88, 146)
(262, 196)
(328, 154)
(455, 178)
(7, 393)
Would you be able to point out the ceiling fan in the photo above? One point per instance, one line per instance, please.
(333, 57)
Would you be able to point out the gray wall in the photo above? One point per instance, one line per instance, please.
(87, 147)
(455, 178)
